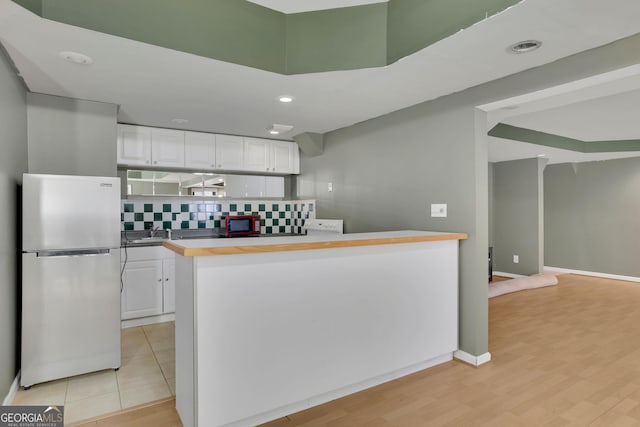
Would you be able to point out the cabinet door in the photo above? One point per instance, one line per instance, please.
(134, 145)
(167, 147)
(296, 159)
(199, 150)
(142, 289)
(281, 157)
(256, 154)
(229, 152)
(169, 293)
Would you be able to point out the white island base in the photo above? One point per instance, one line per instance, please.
(261, 334)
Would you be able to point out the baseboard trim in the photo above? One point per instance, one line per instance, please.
(591, 273)
(15, 385)
(505, 274)
(471, 359)
(161, 318)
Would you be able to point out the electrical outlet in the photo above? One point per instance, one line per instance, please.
(516, 259)
(438, 210)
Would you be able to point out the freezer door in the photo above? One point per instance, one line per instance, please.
(70, 315)
(70, 212)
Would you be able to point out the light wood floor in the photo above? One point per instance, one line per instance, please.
(157, 414)
(566, 355)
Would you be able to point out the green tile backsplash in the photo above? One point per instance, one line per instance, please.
(280, 217)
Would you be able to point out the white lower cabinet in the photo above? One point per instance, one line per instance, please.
(148, 282)
(169, 285)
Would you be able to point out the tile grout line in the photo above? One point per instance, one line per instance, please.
(156, 359)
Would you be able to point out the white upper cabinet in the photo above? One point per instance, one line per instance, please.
(256, 154)
(167, 147)
(159, 147)
(282, 156)
(296, 159)
(199, 150)
(229, 152)
(269, 156)
(134, 145)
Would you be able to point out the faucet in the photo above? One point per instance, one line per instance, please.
(152, 231)
(168, 230)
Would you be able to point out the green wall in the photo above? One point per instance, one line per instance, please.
(13, 163)
(518, 227)
(502, 130)
(244, 33)
(229, 30)
(414, 24)
(71, 136)
(386, 171)
(592, 216)
(337, 39)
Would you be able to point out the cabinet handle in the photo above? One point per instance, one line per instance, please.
(147, 162)
(219, 166)
(155, 162)
(159, 280)
(166, 280)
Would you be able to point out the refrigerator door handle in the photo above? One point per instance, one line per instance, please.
(81, 252)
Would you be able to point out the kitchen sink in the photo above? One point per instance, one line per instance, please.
(147, 240)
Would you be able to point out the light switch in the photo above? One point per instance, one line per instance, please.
(438, 210)
(516, 259)
(330, 187)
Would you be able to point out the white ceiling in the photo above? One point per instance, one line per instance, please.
(602, 119)
(297, 6)
(597, 118)
(153, 85)
(502, 150)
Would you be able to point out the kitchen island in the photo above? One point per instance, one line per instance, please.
(268, 327)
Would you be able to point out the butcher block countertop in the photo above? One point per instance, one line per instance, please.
(252, 245)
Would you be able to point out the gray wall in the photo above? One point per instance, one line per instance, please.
(13, 163)
(71, 137)
(592, 216)
(518, 216)
(386, 171)
(491, 202)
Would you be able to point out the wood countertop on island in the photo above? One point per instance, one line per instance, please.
(252, 245)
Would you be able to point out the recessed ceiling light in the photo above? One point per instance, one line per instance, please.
(541, 155)
(76, 58)
(278, 129)
(525, 46)
(286, 98)
(180, 121)
(510, 107)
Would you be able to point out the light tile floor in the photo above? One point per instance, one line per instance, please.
(147, 374)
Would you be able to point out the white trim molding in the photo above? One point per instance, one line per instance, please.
(471, 359)
(15, 385)
(505, 274)
(591, 273)
(150, 320)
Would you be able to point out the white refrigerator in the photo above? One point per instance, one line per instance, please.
(70, 276)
